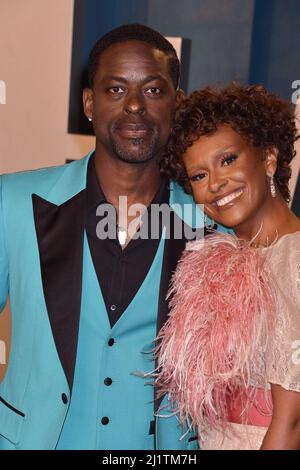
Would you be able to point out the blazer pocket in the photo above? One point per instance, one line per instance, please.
(11, 421)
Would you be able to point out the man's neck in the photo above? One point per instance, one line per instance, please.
(138, 182)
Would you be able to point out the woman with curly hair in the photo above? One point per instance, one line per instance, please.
(229, 355)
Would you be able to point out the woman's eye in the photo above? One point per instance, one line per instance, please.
(197, 177)
(229, 159)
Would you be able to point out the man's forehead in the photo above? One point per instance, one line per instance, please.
(133, 59)
(133, 50)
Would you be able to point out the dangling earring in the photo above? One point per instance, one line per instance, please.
(209, 227)
(272, 186)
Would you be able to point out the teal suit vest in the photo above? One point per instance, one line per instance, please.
(105, 386)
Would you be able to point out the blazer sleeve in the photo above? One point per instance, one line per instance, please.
(3, 258)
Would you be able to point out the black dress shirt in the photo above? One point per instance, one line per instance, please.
(120, 272)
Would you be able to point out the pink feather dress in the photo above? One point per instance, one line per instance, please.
(234, 328)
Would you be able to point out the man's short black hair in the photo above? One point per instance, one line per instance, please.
(136, 32)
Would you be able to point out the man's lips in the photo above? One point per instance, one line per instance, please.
(133, 129)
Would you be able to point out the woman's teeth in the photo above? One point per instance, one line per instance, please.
(229, 198)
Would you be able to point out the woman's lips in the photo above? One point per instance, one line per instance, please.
(224, 201)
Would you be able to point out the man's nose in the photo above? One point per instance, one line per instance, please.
(134, 104)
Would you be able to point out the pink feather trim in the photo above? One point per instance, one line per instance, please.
(222, 312)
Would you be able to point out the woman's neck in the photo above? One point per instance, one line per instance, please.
(269, 225)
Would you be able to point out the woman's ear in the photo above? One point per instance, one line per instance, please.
(271, 156)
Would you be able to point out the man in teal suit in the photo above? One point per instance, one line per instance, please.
(85, 310)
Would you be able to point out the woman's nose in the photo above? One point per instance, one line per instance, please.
(216, 182)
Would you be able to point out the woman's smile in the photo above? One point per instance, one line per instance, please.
(229, 199)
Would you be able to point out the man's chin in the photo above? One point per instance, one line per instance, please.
(134, 154)
(134, 159)
(135, 150)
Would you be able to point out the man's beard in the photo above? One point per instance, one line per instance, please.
(136, 150)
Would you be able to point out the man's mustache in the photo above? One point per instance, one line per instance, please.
(133, 125)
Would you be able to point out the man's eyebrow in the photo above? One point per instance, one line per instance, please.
(149, 78)
(116, 79)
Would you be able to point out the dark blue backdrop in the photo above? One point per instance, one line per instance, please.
(253, 41)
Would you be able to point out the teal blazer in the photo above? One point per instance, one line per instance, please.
(41, 243)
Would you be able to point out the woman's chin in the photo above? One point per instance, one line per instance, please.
(227, 222)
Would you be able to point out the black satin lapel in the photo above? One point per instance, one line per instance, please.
(60, 232)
